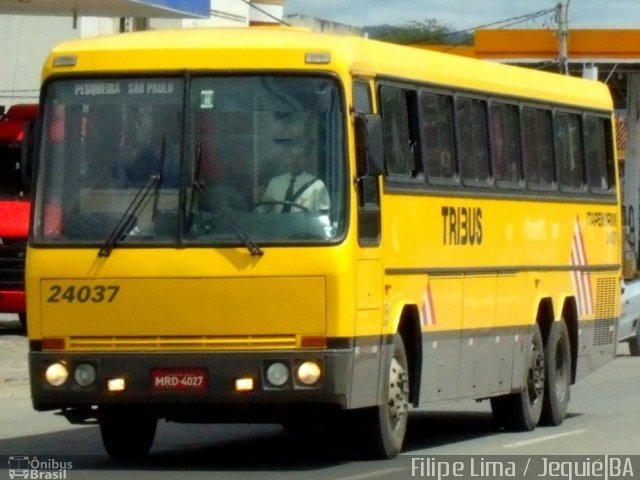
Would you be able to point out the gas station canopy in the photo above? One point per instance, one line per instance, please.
(109, 8)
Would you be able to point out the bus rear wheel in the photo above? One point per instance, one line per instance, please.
(557, 360)
(127, 434)
(522, 411)
(385, 425)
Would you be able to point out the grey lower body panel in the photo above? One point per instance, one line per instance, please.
(596, 345)
(481, 363)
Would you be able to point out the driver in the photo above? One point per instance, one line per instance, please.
(297, 190)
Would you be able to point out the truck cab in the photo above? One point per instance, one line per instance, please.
(15, 126)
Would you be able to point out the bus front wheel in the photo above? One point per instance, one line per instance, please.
(127, 434)
(386, 425)
(522, 411)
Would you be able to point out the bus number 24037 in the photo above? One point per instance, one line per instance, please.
(83, 293)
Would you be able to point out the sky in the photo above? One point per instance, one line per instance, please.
(469, 14)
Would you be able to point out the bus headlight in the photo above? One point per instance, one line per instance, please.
(85, 374)
(57, 374)
(309, 373)
(277, 374)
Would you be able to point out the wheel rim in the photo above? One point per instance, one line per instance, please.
(398, 394)
(535, 377)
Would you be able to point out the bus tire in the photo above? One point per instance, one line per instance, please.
(634, 344)
(127, 434)
(521, 411)
(385, 425)
(557, 361)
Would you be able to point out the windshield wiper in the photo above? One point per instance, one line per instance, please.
(246, 240)
(252, 246)
(129, 215)
(158, 183)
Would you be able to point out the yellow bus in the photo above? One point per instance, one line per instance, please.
(273, 225)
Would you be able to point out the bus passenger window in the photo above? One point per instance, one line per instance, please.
(598, 158)
(537, 147)
(504, 134)
(400, 137)
(570, 155)
(471, 121)
(438, 135)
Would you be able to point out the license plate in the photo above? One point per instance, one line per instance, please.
(178, 379)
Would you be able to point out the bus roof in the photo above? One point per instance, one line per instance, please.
(280, 48)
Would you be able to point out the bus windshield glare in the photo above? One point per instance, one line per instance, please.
(225, 161)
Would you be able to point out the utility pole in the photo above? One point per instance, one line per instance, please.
(562, 12)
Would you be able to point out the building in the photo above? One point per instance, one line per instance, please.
(324, 26)
(607, 55)
(229, 13)
(28, 30)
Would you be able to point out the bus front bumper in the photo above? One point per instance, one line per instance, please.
(195, 386)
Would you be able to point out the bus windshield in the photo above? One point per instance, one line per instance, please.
(202, 160)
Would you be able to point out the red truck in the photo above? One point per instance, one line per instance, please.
(15, 126)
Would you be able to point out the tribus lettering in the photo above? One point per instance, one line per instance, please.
(461, 226)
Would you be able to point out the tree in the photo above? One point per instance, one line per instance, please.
(425, 32)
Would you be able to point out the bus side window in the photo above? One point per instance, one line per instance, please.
(570, 155)
(473, 143)
(438, 135)
(399, 122)
(599, 160)
(504, 132)
(537, 147)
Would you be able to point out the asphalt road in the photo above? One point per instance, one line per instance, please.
(603, 419)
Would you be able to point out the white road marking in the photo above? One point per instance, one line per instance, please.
(542, 439)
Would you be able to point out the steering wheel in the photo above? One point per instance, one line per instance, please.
(283, 203)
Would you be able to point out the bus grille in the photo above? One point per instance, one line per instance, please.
(604, 332)
(182, 343)
(607, 291)
(12, 261)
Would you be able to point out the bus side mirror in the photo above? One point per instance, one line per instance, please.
(369, 145)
